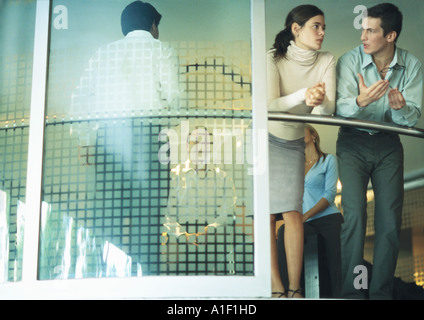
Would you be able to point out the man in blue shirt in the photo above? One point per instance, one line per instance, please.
(380, 82)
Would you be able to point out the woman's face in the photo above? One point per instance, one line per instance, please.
(311, 35)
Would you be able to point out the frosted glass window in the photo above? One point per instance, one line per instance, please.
(16, 51)
(146, 166)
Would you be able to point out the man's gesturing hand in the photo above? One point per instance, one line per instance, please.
(372, 93)
(396, 100)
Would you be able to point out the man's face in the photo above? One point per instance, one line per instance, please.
(372, 36)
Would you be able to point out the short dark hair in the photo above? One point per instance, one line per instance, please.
(139, 15)
(390, 15)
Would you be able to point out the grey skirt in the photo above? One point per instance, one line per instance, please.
(286, 174)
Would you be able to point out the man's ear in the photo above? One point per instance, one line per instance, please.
(154, 30)
(391, 36)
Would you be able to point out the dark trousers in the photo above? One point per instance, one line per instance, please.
(362, 157)
(328, 229)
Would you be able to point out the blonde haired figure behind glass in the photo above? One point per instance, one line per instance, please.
(300, 79)
(320, 214)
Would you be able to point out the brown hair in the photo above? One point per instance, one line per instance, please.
(300, 15)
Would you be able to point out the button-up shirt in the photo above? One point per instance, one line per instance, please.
(404, 73)
(132, 74)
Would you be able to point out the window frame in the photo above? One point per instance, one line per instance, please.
(258, 285)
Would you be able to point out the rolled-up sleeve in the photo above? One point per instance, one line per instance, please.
(347, 88)
(412, 92)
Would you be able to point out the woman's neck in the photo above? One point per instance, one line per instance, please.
(301, 56)
(311, 152)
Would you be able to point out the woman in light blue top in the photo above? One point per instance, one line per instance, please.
(320, 214)
(320, 179)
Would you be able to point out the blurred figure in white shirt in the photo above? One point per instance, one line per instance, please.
(130, 75)
(135, 76)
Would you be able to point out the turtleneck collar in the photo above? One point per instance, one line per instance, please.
(301, 56)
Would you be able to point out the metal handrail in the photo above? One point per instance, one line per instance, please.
(413, 180)
(340, 121)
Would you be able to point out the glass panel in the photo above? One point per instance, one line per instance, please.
(147, 166)
(15, 96)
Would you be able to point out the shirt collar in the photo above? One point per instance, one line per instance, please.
(140, 34)
(397, 59)
(366, 58)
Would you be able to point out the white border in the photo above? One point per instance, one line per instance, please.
(255, 286)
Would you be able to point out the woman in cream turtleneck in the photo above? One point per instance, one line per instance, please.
(301, 80)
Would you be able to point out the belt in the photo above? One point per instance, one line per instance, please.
(363, 132)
